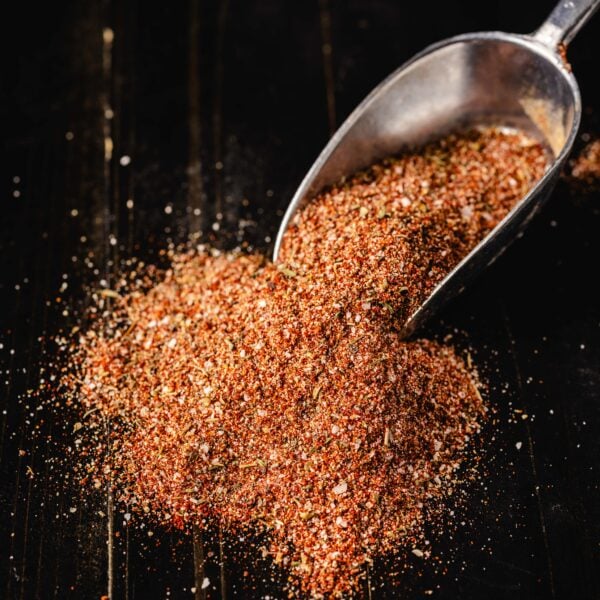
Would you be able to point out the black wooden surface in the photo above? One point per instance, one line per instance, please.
(222, 106)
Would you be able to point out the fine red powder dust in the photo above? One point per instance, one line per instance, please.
(281, 398)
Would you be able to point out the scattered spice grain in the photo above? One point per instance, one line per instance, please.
(281, 397)
(585, 169)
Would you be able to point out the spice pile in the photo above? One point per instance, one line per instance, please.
(281, 397)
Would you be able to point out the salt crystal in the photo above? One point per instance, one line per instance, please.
(340, 488)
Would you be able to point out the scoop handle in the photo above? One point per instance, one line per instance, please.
(567, 18)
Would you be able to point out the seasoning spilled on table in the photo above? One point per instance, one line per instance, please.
(281, 397)
(585, 168)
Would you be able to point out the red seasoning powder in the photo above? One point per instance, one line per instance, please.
(281, 398)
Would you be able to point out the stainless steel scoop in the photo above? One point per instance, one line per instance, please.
(489, 78)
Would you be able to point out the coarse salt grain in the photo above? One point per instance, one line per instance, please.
(340, 488)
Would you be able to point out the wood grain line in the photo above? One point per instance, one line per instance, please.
(10, 365)
(327, 55)
(11, 568)
(55, 190)
(28, 180)
(40, 553)
(107, 63)
(217, 113)
(57, 592)
(199, 561)
(40, 291)
(26, 530)
(530, 450)
(127, 560)
(195, 190)
(110, 533)
(130, 135)
(222, 565)
(19, 577)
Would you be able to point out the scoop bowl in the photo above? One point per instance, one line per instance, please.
(477, 79)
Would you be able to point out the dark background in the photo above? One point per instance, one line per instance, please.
(222, 107)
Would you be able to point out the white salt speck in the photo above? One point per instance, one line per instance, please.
(417, 552)
(129, 204)
(74, 212)
(172, 343)
(69, 136)
(205, 583)
(340, 488)
(216, 227)
(168, 209)
(466, 212)
(519, 445)
(125, 160)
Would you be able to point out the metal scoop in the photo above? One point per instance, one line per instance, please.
(489, 78)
